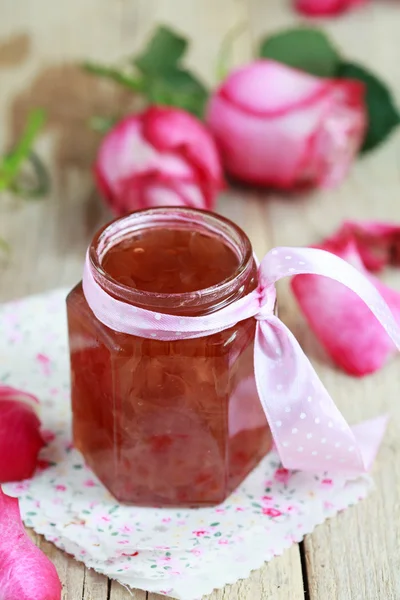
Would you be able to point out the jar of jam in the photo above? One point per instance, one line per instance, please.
(168, 423)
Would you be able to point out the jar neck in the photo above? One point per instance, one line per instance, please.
(199, 302)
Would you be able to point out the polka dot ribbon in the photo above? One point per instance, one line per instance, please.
(309, 431)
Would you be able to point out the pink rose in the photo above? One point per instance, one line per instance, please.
(161, 157)
(20, 437)
(282, 127)
(314, 8)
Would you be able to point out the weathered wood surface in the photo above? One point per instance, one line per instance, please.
(357, 555)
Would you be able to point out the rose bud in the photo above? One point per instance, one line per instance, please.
(278, 126)
(161, 157)
(20, 437)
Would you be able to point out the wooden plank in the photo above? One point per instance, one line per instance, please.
(279, 579)
(118, 592)
(71, 572)
(95, 586)
(355, 556)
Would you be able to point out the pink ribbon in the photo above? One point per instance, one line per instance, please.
(309, 431)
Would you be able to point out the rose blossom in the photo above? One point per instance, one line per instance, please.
(20, 437)
(282, 127)
(344, 325)
(314, 8)
(161, 157)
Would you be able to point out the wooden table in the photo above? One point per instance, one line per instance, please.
(355, 556)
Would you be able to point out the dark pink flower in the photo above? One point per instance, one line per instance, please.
(344, 325)
(20, 437)
(25, 572)
(161, 157)
(315, 8)
(282, 475)
(271, 512)
(281, 127)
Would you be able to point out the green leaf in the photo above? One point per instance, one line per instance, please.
(177, 87)
(303, 48)
(160, 76)
(163, 51)
(114, 74)
(11, 164)
(383, 115)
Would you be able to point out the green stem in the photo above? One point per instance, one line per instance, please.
(12, 162)
(41, 184)
(224, 56)
(114, 75)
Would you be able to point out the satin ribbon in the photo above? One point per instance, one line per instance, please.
(309, 431)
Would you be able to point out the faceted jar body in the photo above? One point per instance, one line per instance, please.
(167, 423)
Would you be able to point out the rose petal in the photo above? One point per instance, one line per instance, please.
(20, 437)
(344, 325)
(25, 572)
(326, 7)
(267, 88)
(377, 243)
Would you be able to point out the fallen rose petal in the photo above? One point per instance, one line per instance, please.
(344, 325)
(25, 572)
(378, 244)
(314, 8)
(20, 437)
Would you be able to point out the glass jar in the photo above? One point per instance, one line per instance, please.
(168, 423)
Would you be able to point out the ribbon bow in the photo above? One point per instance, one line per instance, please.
(309, 431)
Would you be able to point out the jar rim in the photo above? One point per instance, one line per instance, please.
(205, 221)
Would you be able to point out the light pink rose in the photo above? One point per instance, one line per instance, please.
(25, 572)
(314, 8)
(344, 325)
(20, 437)
(161, 157)
(277, 126)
